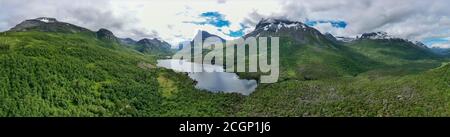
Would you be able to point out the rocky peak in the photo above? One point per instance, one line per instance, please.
(284, 28)
(277, 24)
(105, 34)
(376, 35)
(46, 19)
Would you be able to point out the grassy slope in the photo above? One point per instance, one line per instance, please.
(58, 74)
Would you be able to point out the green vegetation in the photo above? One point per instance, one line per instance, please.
(76, 74)
(425, 94)
(61, 74)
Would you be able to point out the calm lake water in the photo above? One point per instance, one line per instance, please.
(214, 80)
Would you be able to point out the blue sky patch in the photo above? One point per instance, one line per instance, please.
(212, 18)
(336, 24)
(431, 41)
(237, 33)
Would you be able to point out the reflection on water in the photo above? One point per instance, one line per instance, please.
(213, 78)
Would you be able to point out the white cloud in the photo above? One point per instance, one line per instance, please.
(445, 45)
(158, 14)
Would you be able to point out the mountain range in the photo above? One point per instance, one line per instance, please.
(45, 24)
(53, 68)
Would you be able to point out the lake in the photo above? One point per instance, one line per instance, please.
(215, 79)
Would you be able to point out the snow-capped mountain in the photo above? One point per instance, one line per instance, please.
(277, 25)
(46, 20)
(280, 27)
(376, 35)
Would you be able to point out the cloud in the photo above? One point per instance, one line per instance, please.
(445, 45)
(221, 1)
(438, 42)
(219, 21)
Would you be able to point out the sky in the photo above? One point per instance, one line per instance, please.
(176, 21)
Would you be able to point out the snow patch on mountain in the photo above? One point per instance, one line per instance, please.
(276, 25)
(46, 20)
(377, 35)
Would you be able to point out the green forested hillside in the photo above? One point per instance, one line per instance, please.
(64, 74)
(362, 78)
(425, 94)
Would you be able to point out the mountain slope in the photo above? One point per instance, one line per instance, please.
(398, 56)
(78, 74)
(392, 77)
(306, 54)
(154, 47)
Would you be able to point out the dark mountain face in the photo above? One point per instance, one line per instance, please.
(284, 28)
(107, 35)
(330, 37)
(441, 51)
(128, 41)
(153, 46)
(383, 38)
(45, 24)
